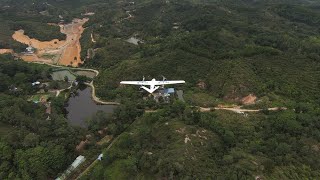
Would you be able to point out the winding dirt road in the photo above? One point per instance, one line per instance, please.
(239, 110)
(96, 99)
(6, 51)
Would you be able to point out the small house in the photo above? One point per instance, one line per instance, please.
(169, 91)
(29, 50)
(100, 157)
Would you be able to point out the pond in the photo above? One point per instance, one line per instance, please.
(82, 107)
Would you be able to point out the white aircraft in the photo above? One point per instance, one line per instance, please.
(154, 84)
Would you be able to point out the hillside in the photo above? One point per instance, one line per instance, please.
(224, 50)
(266, 48)
(263, 48)
(182, 143)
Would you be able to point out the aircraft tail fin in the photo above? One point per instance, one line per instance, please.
(150, 90)
(147, 89)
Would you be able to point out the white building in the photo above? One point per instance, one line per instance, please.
(29, 50)
(73, 166)
(100, 157)
(35, 83)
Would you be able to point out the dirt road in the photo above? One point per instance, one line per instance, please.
(6, 51)
(72, 49)
(40, 45)
(96, 99)
(239, 110)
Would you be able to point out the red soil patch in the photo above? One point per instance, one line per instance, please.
(67, 51)
(21, 37)
(34, 58)
(71, 54)
(6, 51)
(250, 99)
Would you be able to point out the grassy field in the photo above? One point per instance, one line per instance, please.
(40, 97)
(88, 74)
(61, 74)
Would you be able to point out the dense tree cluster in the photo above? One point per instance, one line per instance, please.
(17, 78)
(33, 146)
(121, 118)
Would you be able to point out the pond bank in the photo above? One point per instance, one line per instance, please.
(96, 99)
(81, 107)
(93, 94)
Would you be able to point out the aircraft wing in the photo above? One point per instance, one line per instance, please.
(136, 82)
(169, 82)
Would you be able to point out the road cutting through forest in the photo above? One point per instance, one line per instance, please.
(238, 109)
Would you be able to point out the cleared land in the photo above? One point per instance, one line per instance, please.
(65, 52)
(40, 45)
(34, 58)
(40, 97)
(71, 52)
(6, 51)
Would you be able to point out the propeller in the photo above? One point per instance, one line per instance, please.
(142, 80)
(163, 78)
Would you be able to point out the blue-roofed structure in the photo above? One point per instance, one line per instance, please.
(169, 91)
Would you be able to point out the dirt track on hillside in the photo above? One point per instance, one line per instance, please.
(71, 52)
(6, 51)
(34, 58)
(238, 109)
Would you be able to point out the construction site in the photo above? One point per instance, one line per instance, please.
(64, 52)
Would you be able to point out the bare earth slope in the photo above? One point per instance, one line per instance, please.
(66, 52)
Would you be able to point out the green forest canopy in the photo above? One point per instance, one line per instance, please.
(236, 47)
